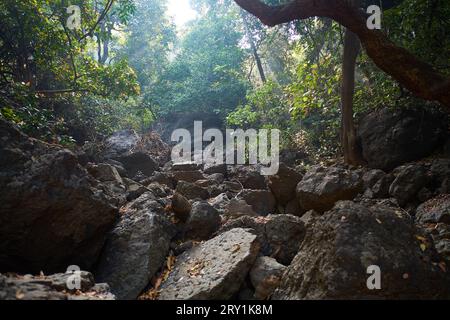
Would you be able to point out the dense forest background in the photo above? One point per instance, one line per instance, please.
(129, 65)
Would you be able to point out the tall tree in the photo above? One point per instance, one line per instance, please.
(415, 75)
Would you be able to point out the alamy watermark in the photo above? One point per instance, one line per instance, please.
(73, 282)
(241, 147)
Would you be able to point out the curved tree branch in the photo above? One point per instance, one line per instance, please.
(417, 76)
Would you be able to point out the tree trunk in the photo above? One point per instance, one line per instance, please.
(262, 74)
(351, 150)
(417, 76)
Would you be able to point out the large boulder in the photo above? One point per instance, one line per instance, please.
(214, 270)
(322, 187)
(390, 138)
(283, 184)
(342, 244)
(136, 248)
(53, 214)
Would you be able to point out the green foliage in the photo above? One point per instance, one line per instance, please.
(206, 74)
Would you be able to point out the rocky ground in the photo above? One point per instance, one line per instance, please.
(145, 228)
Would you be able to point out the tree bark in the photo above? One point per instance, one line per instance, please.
(262, 74)
(352, 152)
(417, 76)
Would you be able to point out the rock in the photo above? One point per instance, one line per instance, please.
(371, 177)
(293, 208)
(104, 172)
(440, 173)
(160, 191)
(232, 186)
(181, 247)
(134, 189)
(127, 142)
(119, 167)
(284, 234)
(322, 187)
(187, 166)
(216, 177)
(220, 202)
(333, 259)
(237, 208)
(440, 234)
(136, 248)
(203, 221)
(188, 176)
(192, 191)
(280, 235)
(53, 213)
(381, 188)
(262, 201)
(214, 270)
(181, 207)
(215, 168)
(408, 182)
(265, 276)
(53, 287)
(121, 142)
(138, 162)
(248, 176)
(390, 138)
(436, 210)
(309, 217)
(283, 184)
(162, 178)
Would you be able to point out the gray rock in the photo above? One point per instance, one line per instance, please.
(280, 235)
(249, 176)
(162, 178)
(215, 168)
(104, 172)
(390, 137)
(293, 208)
(181, 207)
(381, 188)
(333, 259)
(436, 210)
(136, 248)
(322, 187)
(53, 287)
(265, 276)
(283, 184)
(214, 270)
(189, 176)
(203, 221)
(53, 213)
(371, 177)
(408, 182)
(236, 208)
(220, 202)
(284, 234)
(187, 166)
(192, 191)
(262, 201)
(138, 162)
